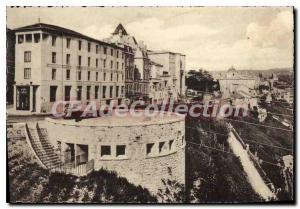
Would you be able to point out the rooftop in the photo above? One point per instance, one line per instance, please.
(127, 120)
(59, 31)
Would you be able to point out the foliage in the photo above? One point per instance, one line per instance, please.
(214, 176)
(201, 80)
(29, 183)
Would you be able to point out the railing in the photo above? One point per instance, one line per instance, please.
(79, 170)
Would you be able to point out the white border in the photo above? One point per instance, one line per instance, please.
(5, 3)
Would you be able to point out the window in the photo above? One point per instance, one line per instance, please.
(28, 38)
(97, 76)
(53, 57)
(68, 43)
(53, 74)
(111, 76)
(79, 60)
(122, 55)
(79, 45)
(79, 75)
(20, 39)
(121, 150)
(89, 61)
(160, 146)
(96, 92)
(104, 76)
(122, 66)
(105, 150)
(111, 64)
(88, 92)
(111, 88)
(104, 63)
(104, 50)
(44, 36)
(117, 65)
(68, 59)
(117, 91)
(53, 93)
(27, 56)
(53, 40)
(97, 49)
(149, 148)
(117, 53)
(79, 92)
(37, 37)
(68, 74)
(111, 52)
(89, 75)
(27, 73)
(96, 62)
(104, 91)
(89, 47)
(171, 142)
(117, 77)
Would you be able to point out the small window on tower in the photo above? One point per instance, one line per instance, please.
(149, 148)
(121, 150)
(105, 151)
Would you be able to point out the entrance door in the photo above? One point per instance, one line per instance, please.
(67, 93)
(23, 98)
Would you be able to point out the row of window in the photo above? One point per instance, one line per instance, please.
(163, 147)
(67, 92)
(27, 58)
(119, 77)
(37, 37)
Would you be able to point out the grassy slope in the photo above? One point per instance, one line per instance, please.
(271, 137)
(221, 175)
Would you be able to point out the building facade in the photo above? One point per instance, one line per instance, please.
(168, 82)
(55, 63)
(234, 80)
(174, 66)
(137, 63)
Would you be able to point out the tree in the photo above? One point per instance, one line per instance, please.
(201, 80)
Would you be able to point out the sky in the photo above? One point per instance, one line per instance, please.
(212, 38)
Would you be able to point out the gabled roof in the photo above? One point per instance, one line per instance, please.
(59, 31)
(118, 28)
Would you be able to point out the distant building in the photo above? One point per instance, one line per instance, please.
(58, 64)
(286, 94)
(174, 65)
(167, 78)
(233, 80)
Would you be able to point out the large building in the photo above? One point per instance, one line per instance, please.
(137, 63)
(174, 66)
(54, 63)
(168, 78)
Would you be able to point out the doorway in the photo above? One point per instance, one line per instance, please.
(23, 98)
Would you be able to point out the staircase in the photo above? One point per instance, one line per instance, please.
(42, 147)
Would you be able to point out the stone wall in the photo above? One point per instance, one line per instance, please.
(165, 161)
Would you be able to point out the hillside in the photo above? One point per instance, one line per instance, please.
(29, 183)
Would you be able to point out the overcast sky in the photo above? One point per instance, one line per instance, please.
(213, 38)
